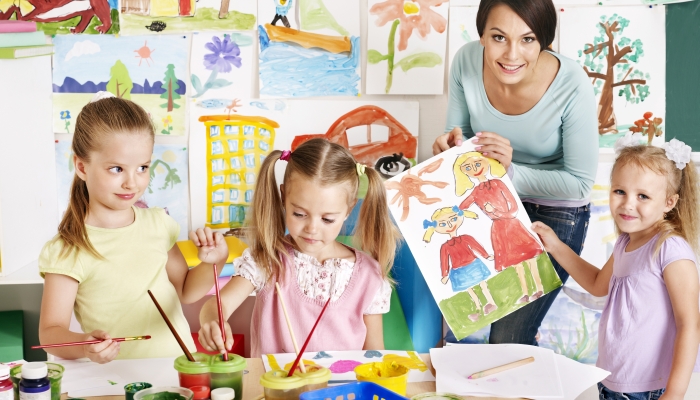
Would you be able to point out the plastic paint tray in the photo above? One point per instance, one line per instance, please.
(360, 391)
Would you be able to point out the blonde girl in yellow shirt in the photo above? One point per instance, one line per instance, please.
(108, 252)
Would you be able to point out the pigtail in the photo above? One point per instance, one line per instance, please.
(376, 233)
(266, 220)
(682, 220)
(428, 236)
(72, 228)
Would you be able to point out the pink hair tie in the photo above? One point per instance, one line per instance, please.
(285, 155)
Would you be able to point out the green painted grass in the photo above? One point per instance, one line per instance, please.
(203, 19)
(505, 290)
(63, 27)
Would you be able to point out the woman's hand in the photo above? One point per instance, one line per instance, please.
(210, 337)
(444, 142)
(212, 247)
(494, 146)
(104, 352)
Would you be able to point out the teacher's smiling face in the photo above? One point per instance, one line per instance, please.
(511, 49)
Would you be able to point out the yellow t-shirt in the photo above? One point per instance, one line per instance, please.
(112, 293)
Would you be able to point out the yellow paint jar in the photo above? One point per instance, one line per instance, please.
(389, 375)
(277, 386)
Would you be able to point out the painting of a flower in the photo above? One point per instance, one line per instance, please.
(224, 54)
(413, 15)
(65, 115)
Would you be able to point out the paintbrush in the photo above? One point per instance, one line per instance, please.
(308, 338)
(172, 328)
(289, 325)
(120, 339)
(221, 314)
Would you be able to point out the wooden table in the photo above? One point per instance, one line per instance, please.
(255, 369)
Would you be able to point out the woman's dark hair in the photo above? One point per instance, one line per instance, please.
(539, 15)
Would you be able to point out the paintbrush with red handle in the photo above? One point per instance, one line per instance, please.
(303, 348)
(221, 314)
(119, 339)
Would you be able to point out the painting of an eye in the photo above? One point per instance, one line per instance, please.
(390, 166)
(442, 224)
(478, 164)
(454, 219)
(467, 168)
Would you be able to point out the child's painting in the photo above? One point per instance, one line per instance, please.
(475, 250)
(462, 29)
(406, 42)
(61, 16)
(143, 17)
(151, 71)
(623, 51)
(221, 66)
(167, 188)
(229, 141)
(342, 363)
(309, 48)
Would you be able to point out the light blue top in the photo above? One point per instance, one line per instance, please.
(283, 10)
(555, 144)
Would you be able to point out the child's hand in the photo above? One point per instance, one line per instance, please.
(104, 352)
(488, 207)
(210, 337)
(549, 238)
(212, 246)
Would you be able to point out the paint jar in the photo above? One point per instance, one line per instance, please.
(131, 389)
(316, 377)
(6, 392)
(193, 373)
(35, 384)
(55, 372)
(278, 386)
(390, 375)
(223, 394)
(168, 392)
(200, 392)
(227, 374)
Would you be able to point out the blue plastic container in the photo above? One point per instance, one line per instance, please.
(361, 390)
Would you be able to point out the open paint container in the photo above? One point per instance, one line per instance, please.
(164, 393)
(55, 375)
(212, 371)
(277, 386)
(390, 375)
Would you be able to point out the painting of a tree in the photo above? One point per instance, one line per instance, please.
(170, 85)
(120, 83)
(610, 61)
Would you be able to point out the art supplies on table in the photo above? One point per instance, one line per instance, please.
(342, 363)
(131, 389)
(54, 374)
(308, 338)
(123, 339)
(501, 368)
(172, 328)
(219, 309)
(212, 371)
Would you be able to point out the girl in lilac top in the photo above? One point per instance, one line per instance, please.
(650, 327)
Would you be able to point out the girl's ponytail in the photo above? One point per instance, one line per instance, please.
(684, 217)
(72, 227)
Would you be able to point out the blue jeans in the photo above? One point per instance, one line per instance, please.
(607, 394)
(570, 224)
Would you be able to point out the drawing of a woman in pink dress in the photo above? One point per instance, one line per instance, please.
(512, 243)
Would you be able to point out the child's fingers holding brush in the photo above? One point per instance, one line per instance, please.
(210, 336)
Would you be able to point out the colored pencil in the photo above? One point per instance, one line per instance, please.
(221, 314)
(289, 326)
(120, 339)
(501, 368)
(172, 328)
(303, 348)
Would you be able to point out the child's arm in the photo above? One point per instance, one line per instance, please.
(375, 332)
(681, 279)
(595, 281)
(232, 295)
(192, 284)
(54, 320)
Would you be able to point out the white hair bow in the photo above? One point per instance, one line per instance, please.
(630, 139)
(101, 95)
(678, 152)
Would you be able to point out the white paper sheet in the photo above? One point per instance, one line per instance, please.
(539, 379)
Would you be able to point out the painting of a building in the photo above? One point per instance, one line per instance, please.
(236, 147)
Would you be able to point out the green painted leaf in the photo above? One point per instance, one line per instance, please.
(374, 57)
(420, 60)
(196, 83)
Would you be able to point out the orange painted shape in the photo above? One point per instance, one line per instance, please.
(334, 44)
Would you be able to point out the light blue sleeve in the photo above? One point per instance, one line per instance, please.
(457, 109)
(580, 151)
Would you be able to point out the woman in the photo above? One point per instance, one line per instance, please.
(534, 111)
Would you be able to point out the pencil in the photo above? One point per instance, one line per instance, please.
(121, 339)
(221, 313)
(501, 368)
(172, 328)
(289, 326)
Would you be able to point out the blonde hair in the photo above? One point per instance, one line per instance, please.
(97, 121)
(327, 164)
(682, 220)
(462, 181)
(441, 212)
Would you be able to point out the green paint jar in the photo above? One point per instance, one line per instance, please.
(193, 373)
(228, 374)
(55, 375)
(131, 389)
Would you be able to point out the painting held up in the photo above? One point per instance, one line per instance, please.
(622, 50)
(491, 264)
(141, 17)
(65, 16)
(314, 54)
(148, 71)
(419, 56)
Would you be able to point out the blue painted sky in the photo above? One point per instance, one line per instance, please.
(90, 57)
